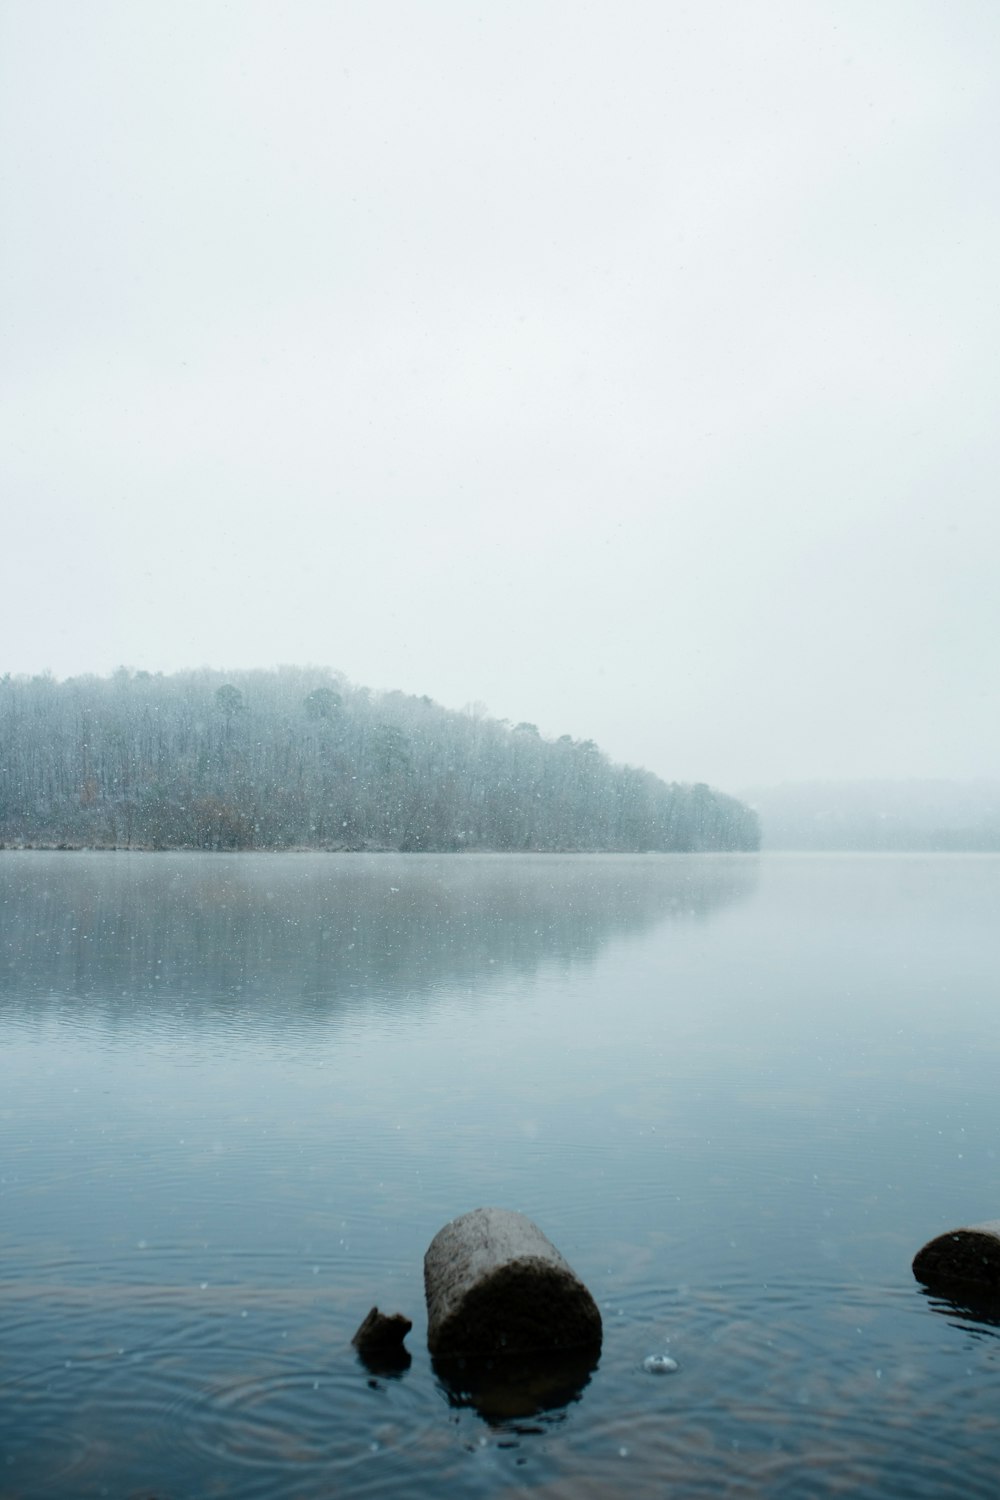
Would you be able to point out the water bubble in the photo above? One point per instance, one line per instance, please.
(659, 1364)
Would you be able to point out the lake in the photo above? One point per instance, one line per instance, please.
(239, 1094)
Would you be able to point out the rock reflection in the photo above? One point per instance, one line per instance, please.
(385, 1364)
(968, 1308)
(512, 1387)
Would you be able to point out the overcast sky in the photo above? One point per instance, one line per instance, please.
(629, 368)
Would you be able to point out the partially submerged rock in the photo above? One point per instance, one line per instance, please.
(381, 1333)
(963, 1258)
(496, 1285)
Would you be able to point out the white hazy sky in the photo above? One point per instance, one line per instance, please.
(629, 367)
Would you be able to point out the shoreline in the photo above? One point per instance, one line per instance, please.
(68, 848)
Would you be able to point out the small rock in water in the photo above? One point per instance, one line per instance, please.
(659, 1364)
(381, 1331)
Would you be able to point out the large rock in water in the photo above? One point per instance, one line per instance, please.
(968, 1257)
(496, 1286)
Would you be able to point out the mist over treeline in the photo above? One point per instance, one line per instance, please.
(934, 816)
(301, 758)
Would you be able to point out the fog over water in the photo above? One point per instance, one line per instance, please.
(631, 370)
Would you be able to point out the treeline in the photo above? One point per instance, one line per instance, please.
(300, 758)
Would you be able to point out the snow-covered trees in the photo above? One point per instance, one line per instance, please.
(301, 758)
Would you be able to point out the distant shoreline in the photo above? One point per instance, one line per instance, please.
(67, 848)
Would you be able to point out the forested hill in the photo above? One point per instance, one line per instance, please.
(299, 758)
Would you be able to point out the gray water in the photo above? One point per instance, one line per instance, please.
(240, 1094)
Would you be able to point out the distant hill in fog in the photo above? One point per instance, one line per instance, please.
(879, 815)
(300, 758)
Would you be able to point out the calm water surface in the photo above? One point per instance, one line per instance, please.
(240, 1094)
